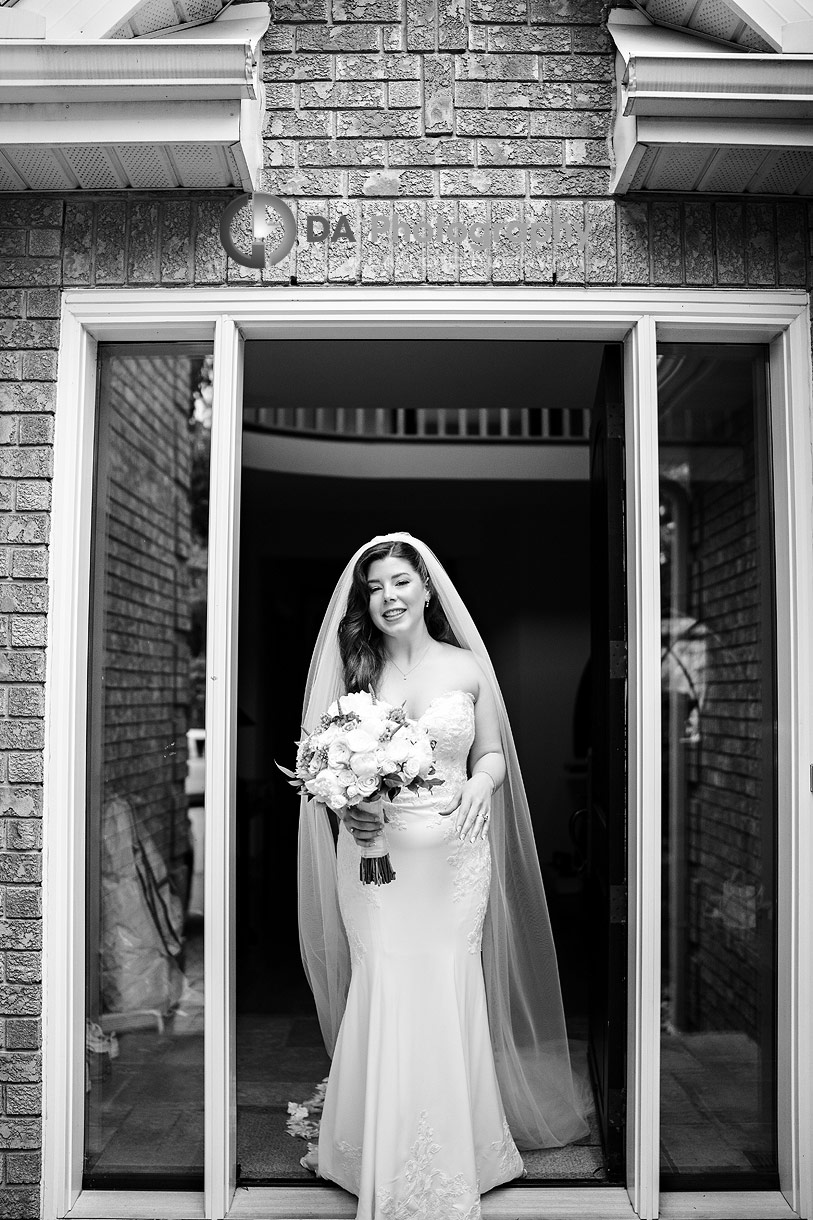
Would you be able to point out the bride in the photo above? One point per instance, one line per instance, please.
(438, 994)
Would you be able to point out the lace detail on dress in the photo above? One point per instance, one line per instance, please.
(429, 1194)
(507, 1152)
(472, 864)
(351, 1156)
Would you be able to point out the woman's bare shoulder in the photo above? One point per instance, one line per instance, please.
(467, 670)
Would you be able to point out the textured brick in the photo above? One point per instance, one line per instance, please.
(343, 94)
(602, 256)
(30, 495)
(29, 271)
(21, 904)
(439, 86)
(790, 233)
(420, 24)
(549, 40)
(519, 152)
(497, 67)
(482, 182)
(451, 25)
(301, 10)
(365, 10)
(210, 257)
(337, 38)
(77, 254)
(666, 243)
(33, 397)
(20, 802)
(142, 243)
(431, 152)
(176, 242)
(31, 211)
(19, 1133)
(313, 153)
(26, 700)
(634, 243)
(280, 152)
(18, 1000)
(110, 235)
(392, 182)
(403, 123)
(299, 125)
(730, 243)
(42, 303)
(553, 12)
(23, 1099)
(493, 123)
(44, 242)
(11, 302)
(569, 181)
(498, 10)
(24, 968)
(377, 67)
(28, 333)
(38, 365)
(19, 1203)
(22, 1167)
(20, 934)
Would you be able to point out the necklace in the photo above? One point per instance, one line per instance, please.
(406, 674)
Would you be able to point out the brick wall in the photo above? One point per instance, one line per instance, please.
(143, 622)
(435, 121)
(730, 797)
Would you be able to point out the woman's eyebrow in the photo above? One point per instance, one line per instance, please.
(397, 576)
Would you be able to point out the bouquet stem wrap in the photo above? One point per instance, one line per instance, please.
(375, 867)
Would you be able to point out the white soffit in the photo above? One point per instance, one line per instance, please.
(693, 115)
(184, 110)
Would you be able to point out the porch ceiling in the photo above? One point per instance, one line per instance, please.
(695, 115)
(180, 108)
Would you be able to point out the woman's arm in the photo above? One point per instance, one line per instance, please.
(486, 764)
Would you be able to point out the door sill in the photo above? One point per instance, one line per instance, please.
(138, 1205)
(725, 1205)
(514, 1203)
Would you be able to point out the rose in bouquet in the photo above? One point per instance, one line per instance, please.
(364, 749)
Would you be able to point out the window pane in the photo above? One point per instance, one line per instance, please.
(144, 996)
(718, 1109)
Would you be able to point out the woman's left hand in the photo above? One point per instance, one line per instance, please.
(473, 808)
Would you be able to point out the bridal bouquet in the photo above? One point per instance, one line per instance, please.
(363, 750)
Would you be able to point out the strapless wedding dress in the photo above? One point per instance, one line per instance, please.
(413, 1122)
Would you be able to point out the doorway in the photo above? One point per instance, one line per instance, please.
(492, 469)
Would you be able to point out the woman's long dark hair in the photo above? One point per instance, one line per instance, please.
(361, 644)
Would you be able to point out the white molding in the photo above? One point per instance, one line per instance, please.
(535, 313)
(220, 1120)
(643, 769)
(64, 779)
(792, 437)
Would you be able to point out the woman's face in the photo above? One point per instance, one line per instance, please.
(397, 596)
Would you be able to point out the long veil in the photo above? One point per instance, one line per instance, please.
(543, 1104)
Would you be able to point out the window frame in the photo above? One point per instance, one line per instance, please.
(226, 316)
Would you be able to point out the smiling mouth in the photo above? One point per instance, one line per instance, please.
(391, 615)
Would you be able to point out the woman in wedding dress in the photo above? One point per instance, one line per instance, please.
(437, 993)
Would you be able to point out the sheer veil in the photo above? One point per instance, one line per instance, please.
(545, 1107)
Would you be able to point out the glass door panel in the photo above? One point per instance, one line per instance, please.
(144, 914)
(718, 1041)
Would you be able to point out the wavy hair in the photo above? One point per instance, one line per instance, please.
(361, 644)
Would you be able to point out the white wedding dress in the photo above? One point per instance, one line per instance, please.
(413, 1122)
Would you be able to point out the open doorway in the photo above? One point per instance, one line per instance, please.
(482, 450)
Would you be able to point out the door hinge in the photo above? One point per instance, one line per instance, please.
(618, 658)
(615, 421)
(618, 904)
(811, 777)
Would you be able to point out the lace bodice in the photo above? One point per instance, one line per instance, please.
(449, 719)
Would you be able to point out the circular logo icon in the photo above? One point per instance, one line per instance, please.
(260, 229)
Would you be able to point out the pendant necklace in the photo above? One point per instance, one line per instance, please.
(415, 666)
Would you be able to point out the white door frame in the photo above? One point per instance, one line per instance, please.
(225, 316)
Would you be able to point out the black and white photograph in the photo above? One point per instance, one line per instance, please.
(406, 610)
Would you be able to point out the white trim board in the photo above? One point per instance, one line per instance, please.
(779, 317)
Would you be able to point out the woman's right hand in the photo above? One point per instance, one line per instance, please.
(364, 821)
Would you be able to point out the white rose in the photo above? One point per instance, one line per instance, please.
(367, 784)
(371, 726)
(399, 745)
(358, 702)
(386, 763)
(364, 764)
(410, 767)
(328, 736)
(338, 753)
(359, 742)
(325, 787)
